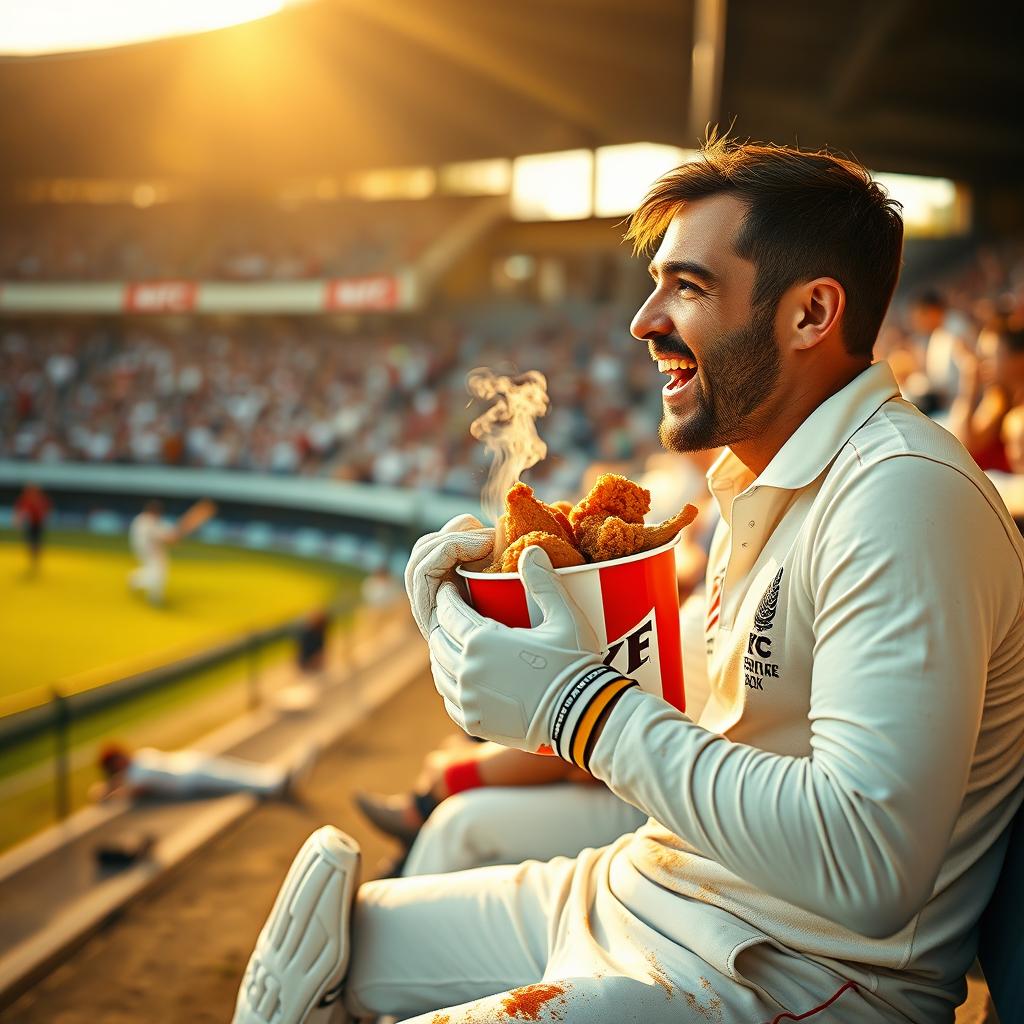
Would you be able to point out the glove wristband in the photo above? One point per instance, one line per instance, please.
(584, 705)
(462, 775)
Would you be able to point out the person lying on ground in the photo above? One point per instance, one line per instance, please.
(181, 774)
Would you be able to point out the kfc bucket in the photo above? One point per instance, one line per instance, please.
(632, 603)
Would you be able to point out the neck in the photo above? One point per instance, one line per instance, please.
(782, 416)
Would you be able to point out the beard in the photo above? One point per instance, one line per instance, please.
(735, 377)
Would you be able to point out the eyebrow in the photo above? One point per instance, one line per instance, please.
(683, 267)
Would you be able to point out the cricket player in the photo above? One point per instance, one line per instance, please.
(179, 774)
(507, 822)
(150, 537)
(823, 839)
(31, 511)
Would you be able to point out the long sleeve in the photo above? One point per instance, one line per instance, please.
(908, 592)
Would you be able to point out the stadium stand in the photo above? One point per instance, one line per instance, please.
(382, 403)
(234, 241)
(386, 405)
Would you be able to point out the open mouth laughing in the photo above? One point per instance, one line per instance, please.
(680, 370)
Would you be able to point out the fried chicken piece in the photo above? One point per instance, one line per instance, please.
(608, 523)
(655, 536)
(612, 495)
(524, 514)
(563, 506)
(615, 538)
(559, 550)
(562, 520)
(587, 531)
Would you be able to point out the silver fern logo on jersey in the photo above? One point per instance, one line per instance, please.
(758, 665)
(764, 617)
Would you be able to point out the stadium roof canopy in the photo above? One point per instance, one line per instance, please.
(340, 85)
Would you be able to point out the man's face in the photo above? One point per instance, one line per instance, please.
(699, 316)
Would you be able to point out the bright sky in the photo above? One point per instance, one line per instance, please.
(31, 27)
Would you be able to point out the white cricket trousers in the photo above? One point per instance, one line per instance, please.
(151, 578)
(579, 941)
(509, 824)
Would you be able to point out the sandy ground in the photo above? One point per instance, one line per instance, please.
(177, 955)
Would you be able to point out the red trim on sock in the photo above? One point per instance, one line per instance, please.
(824, 1006)
(461, 776)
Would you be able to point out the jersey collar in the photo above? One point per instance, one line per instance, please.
(817, 441)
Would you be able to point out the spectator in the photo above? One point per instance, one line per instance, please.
(942, 331)
(991, 385)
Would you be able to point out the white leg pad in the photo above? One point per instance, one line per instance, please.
(295, 972)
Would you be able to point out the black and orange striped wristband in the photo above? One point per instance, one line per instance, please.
(583, 708)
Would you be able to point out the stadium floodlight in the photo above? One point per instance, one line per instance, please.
(553, 186)
(477, 178)
(393, 183)
(932, 207)
(65, 26)
(625, 173)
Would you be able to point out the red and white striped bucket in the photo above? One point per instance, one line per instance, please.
(632, 603)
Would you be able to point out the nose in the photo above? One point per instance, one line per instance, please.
(650, 321)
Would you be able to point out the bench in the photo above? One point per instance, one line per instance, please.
(1001, 941)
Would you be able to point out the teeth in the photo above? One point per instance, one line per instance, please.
(676, 364)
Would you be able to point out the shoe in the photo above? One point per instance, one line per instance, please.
(296, 971)
(124, 850)
(389, 814)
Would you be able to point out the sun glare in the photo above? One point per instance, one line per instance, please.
(61, 26)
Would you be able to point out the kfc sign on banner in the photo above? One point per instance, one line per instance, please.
(379, 291)
(160, 297)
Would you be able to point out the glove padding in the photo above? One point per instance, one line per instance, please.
(434, 558)
(540, 689)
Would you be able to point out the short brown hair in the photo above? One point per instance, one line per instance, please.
(808, 215)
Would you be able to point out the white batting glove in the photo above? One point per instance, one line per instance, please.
(433, 560)
(545, 688)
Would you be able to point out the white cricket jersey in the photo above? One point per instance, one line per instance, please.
(165, 773)
(149, 537)
(847, 788)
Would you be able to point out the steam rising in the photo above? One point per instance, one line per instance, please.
(507, 429)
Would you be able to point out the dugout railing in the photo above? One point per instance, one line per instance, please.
(61, 711)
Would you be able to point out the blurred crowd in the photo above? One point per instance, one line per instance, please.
(957, 349)
(241, 242)
(388, 405)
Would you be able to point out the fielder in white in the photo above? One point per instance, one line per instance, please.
(823, 839)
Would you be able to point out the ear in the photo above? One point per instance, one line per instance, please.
(813, 311)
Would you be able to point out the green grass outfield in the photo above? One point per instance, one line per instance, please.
(76, 624)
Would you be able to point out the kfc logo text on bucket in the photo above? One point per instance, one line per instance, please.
(631, 603)
(631, 652)
(160, 297)
(377, 292)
